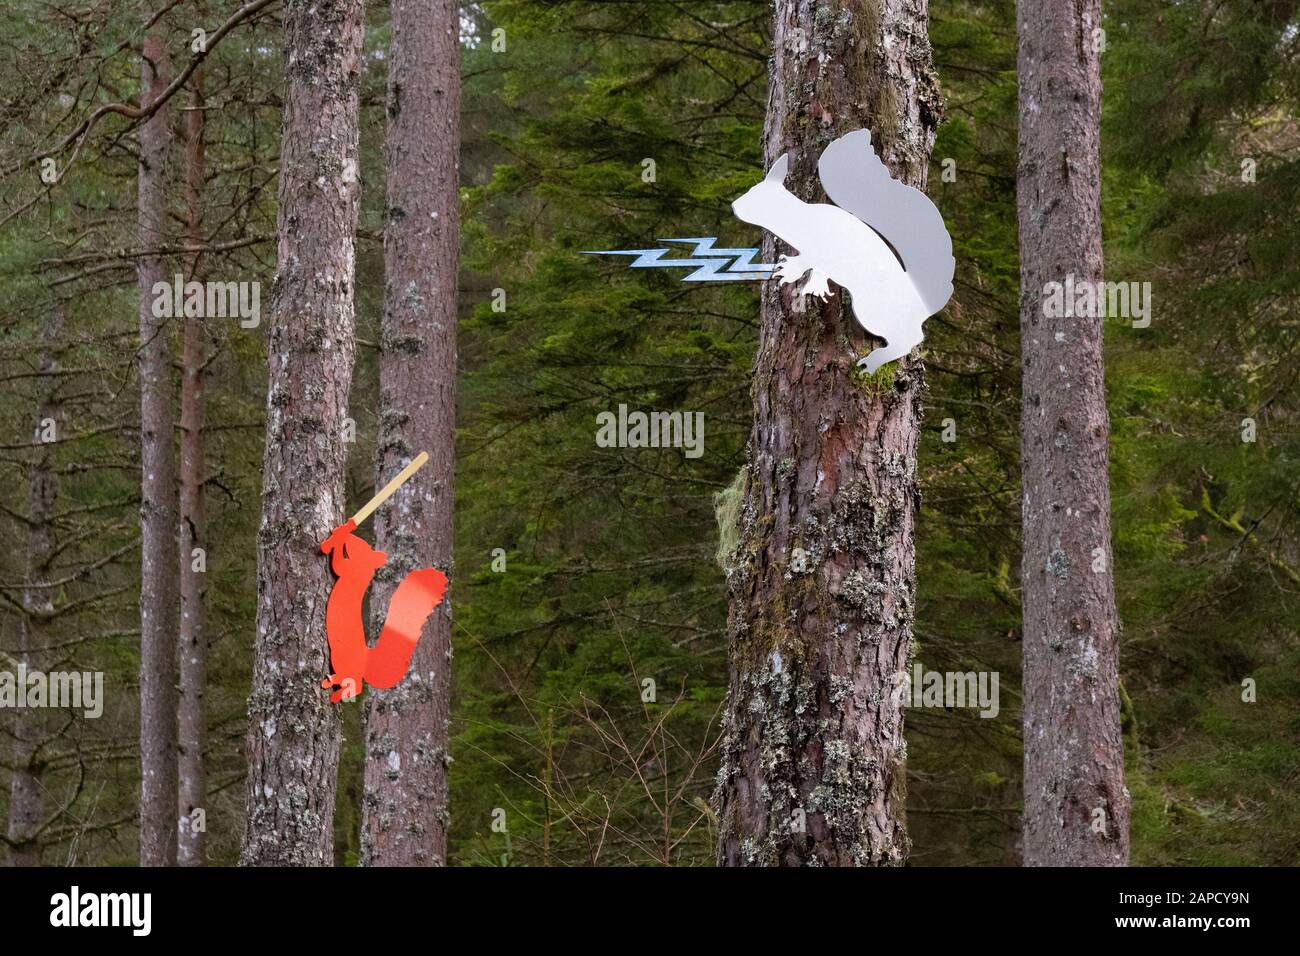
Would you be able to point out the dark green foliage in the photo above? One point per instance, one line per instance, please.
(1206, 522)
(611, 576)
(610, 580)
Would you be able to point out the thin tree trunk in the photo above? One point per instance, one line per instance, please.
(404, 812)
(192, 793)
(26, 792)
(813, 753)
(1076, 806)
(158, 592)
(293, 734)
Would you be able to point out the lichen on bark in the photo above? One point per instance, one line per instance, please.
(405, 807)
(813, 754)
(1076, 804)
(293, 736)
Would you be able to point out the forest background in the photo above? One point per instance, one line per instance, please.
(611, 577)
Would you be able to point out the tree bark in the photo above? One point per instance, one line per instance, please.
(192, 792)
(1076, 805)
(26, 792)
(404, 812)
(293, 736)
(158, 589)
(813, 753)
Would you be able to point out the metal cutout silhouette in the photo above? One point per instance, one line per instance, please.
(355, 562)
(882, 240)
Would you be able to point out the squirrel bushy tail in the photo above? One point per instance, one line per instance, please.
(857, 181)
(412, 603)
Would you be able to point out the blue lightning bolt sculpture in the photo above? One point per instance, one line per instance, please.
(710, 264)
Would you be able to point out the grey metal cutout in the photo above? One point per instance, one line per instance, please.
(883, 241)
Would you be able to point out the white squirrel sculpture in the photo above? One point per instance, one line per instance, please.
(882, 240)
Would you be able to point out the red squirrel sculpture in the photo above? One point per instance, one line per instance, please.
(351, 660)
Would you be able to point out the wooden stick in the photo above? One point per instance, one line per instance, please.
(387, 491)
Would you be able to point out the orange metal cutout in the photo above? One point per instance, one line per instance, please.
(351, 660)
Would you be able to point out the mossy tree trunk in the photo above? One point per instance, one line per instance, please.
(1076, 804)
(822, 580)
(293, 734)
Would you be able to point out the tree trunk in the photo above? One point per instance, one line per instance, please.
(158, 594)
(26, 792)
(404, 813)
(813, 752)
(192, 793)
(1076, 806)
(293, 735)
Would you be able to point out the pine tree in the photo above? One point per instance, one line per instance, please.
(1076, 805)
(404, 809)
(158, 589)
(192, 714)
(32, 734)
(293, 733)
(822, 580)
